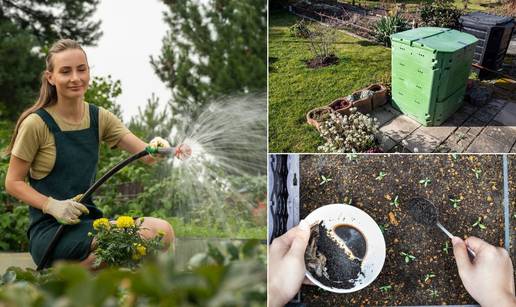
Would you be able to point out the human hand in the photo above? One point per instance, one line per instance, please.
(159, 142)
(64, 211)
(287, 264)
(489, 278)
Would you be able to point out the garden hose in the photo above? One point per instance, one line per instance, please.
(182, 152)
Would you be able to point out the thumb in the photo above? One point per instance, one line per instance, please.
(461, 255)
(81, 207)
(298, 246)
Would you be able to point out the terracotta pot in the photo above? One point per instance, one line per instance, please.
(363, 105)
(341, 105)
(380, 94)
(313, 117)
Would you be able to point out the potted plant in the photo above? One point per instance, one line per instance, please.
(379, 94)
(316, 116)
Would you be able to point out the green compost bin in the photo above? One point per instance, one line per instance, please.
(430, 69)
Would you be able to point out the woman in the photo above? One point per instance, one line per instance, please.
(56, 143)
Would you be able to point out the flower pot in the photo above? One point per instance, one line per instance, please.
(341, 105)
(315, 116)
(363, 105)
(380, 94)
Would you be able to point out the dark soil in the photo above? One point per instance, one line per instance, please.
(322, 62)
(422, 211)
(341, 270)
(340, 104)
(354, 180)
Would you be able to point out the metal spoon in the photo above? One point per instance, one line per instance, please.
(426, 213)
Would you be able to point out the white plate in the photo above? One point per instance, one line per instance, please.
(335, 214)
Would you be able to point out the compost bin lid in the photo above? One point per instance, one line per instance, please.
(435, 39)
(485, 19)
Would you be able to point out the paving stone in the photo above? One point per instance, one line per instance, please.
(474, 125)
(457, 119)
(497, 103)
(386, 143)
(384, 114)
(501, 133)
(419, 141)
(506, 117)
(399, 148)
(510, 107)
(513, 150)
(440, 133)
(486, 113)
(486, 144)
(399, 127)
(468, 108)
(460, 139)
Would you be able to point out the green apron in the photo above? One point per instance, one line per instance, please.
(75, 168)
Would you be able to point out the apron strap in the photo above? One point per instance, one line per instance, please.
(94, 119)
(47, 118)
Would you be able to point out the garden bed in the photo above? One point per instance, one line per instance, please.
(372, 182)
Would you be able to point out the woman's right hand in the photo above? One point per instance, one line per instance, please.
(65, 211)
(489, 278)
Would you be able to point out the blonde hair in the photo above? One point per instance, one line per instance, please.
(47, 91)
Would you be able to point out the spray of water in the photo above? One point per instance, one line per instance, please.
(227, 165)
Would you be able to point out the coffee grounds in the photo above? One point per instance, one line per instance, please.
(341, 271)
(353, 238)
(423, 211)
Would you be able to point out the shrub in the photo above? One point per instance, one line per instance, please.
(300, 29)
(440, 13)
(353, 133)
(322, 42)
(387, 26)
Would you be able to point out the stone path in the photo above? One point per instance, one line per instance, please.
(487, 129)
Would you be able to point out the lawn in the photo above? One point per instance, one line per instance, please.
(294, 89)
(473, 5)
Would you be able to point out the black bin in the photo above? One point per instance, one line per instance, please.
(494, 35)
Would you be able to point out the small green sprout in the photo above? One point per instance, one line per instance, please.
(381, 175)
(446, 247)
(395, 202)
(461, 136)
(325, 180)
(384, 227)
(386, 288)
(479, 224)
(455, 156)
(433, 293)
(428, 276)
(408, 257)
(351, 156)
(425, 182)
(477, 172)
(455, 202)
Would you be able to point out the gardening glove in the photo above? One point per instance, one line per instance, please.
(158, 142)
(64, 211)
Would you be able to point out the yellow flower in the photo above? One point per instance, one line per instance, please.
(101, 223)
(140, 249)
(136, 257)
(124, 222)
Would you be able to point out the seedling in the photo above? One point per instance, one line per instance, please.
(384, 227)
(433, 293)
(325, 180)
(446, 247)
(408, 257)
(477, 172)
(381, 175)
(351, 156)
(395, 202)
(479, 224)
(455, 202)
(386, 288)
(455, 156)
(429, 276)
(426, 182)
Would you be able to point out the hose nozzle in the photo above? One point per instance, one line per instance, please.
(182, 152)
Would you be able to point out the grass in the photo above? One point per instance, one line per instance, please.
(190, 230)
(294, 89)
